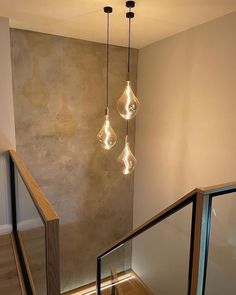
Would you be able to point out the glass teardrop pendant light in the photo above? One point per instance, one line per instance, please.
(106, 136)
(126, 159)
(128, 104)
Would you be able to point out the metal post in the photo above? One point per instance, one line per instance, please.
(14, 228)
(200, 243)
(13, 196)
(98, 276)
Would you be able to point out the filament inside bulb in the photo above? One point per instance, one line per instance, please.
(106, 135)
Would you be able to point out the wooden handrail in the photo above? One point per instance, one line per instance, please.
(51, 221)
(157, 218)
(44, 207)
(216, 189)
(219, 188)
(201, 200)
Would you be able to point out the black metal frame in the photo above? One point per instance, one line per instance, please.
(15, 230)
(153, 222)
(209, 222)
(149, 225)
(25, 274)
(191, 244)
(208, 195)
(207, 242)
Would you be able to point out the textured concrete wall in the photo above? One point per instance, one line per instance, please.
(59, 94)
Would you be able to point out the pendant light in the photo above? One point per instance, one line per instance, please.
(106, 136)
(128, 104)
(126, 159)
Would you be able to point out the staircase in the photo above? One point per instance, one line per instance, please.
(149, 260)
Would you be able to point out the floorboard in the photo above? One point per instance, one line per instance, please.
(9, 280)
(132, 286)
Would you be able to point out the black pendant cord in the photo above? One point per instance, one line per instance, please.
(107, 48)
(127, 127)
(129, 45)
(107, 10)
(129, 15)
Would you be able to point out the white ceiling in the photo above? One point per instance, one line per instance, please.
(85, 19)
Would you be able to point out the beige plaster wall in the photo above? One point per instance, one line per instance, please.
(59, 94)
(7, 127)
(186, 129)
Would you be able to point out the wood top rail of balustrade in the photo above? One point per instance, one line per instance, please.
(51, 221)
(219, 188)
(210, 190)
(42, 204)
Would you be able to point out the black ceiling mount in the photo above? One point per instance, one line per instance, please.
(130, 15)
(130, 4)
(108, 9)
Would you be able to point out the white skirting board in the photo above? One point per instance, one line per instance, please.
(5, 229)
(23, 225)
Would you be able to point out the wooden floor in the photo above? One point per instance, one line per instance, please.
(131, 287)
(33, 242)
(9, 280)
(125, 284)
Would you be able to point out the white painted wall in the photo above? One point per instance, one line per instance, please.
(186, 127)
(7, 125)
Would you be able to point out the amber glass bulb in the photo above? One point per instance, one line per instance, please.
(126, 159)
(128, 104)
(106, 136)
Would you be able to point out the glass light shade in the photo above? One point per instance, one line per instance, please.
(106, 135)
(126, 159)
(128, 104)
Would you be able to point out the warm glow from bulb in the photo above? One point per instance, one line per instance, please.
(126, 160)
(107, 129)
(106, 285)
(128, 104)
(106, 135)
